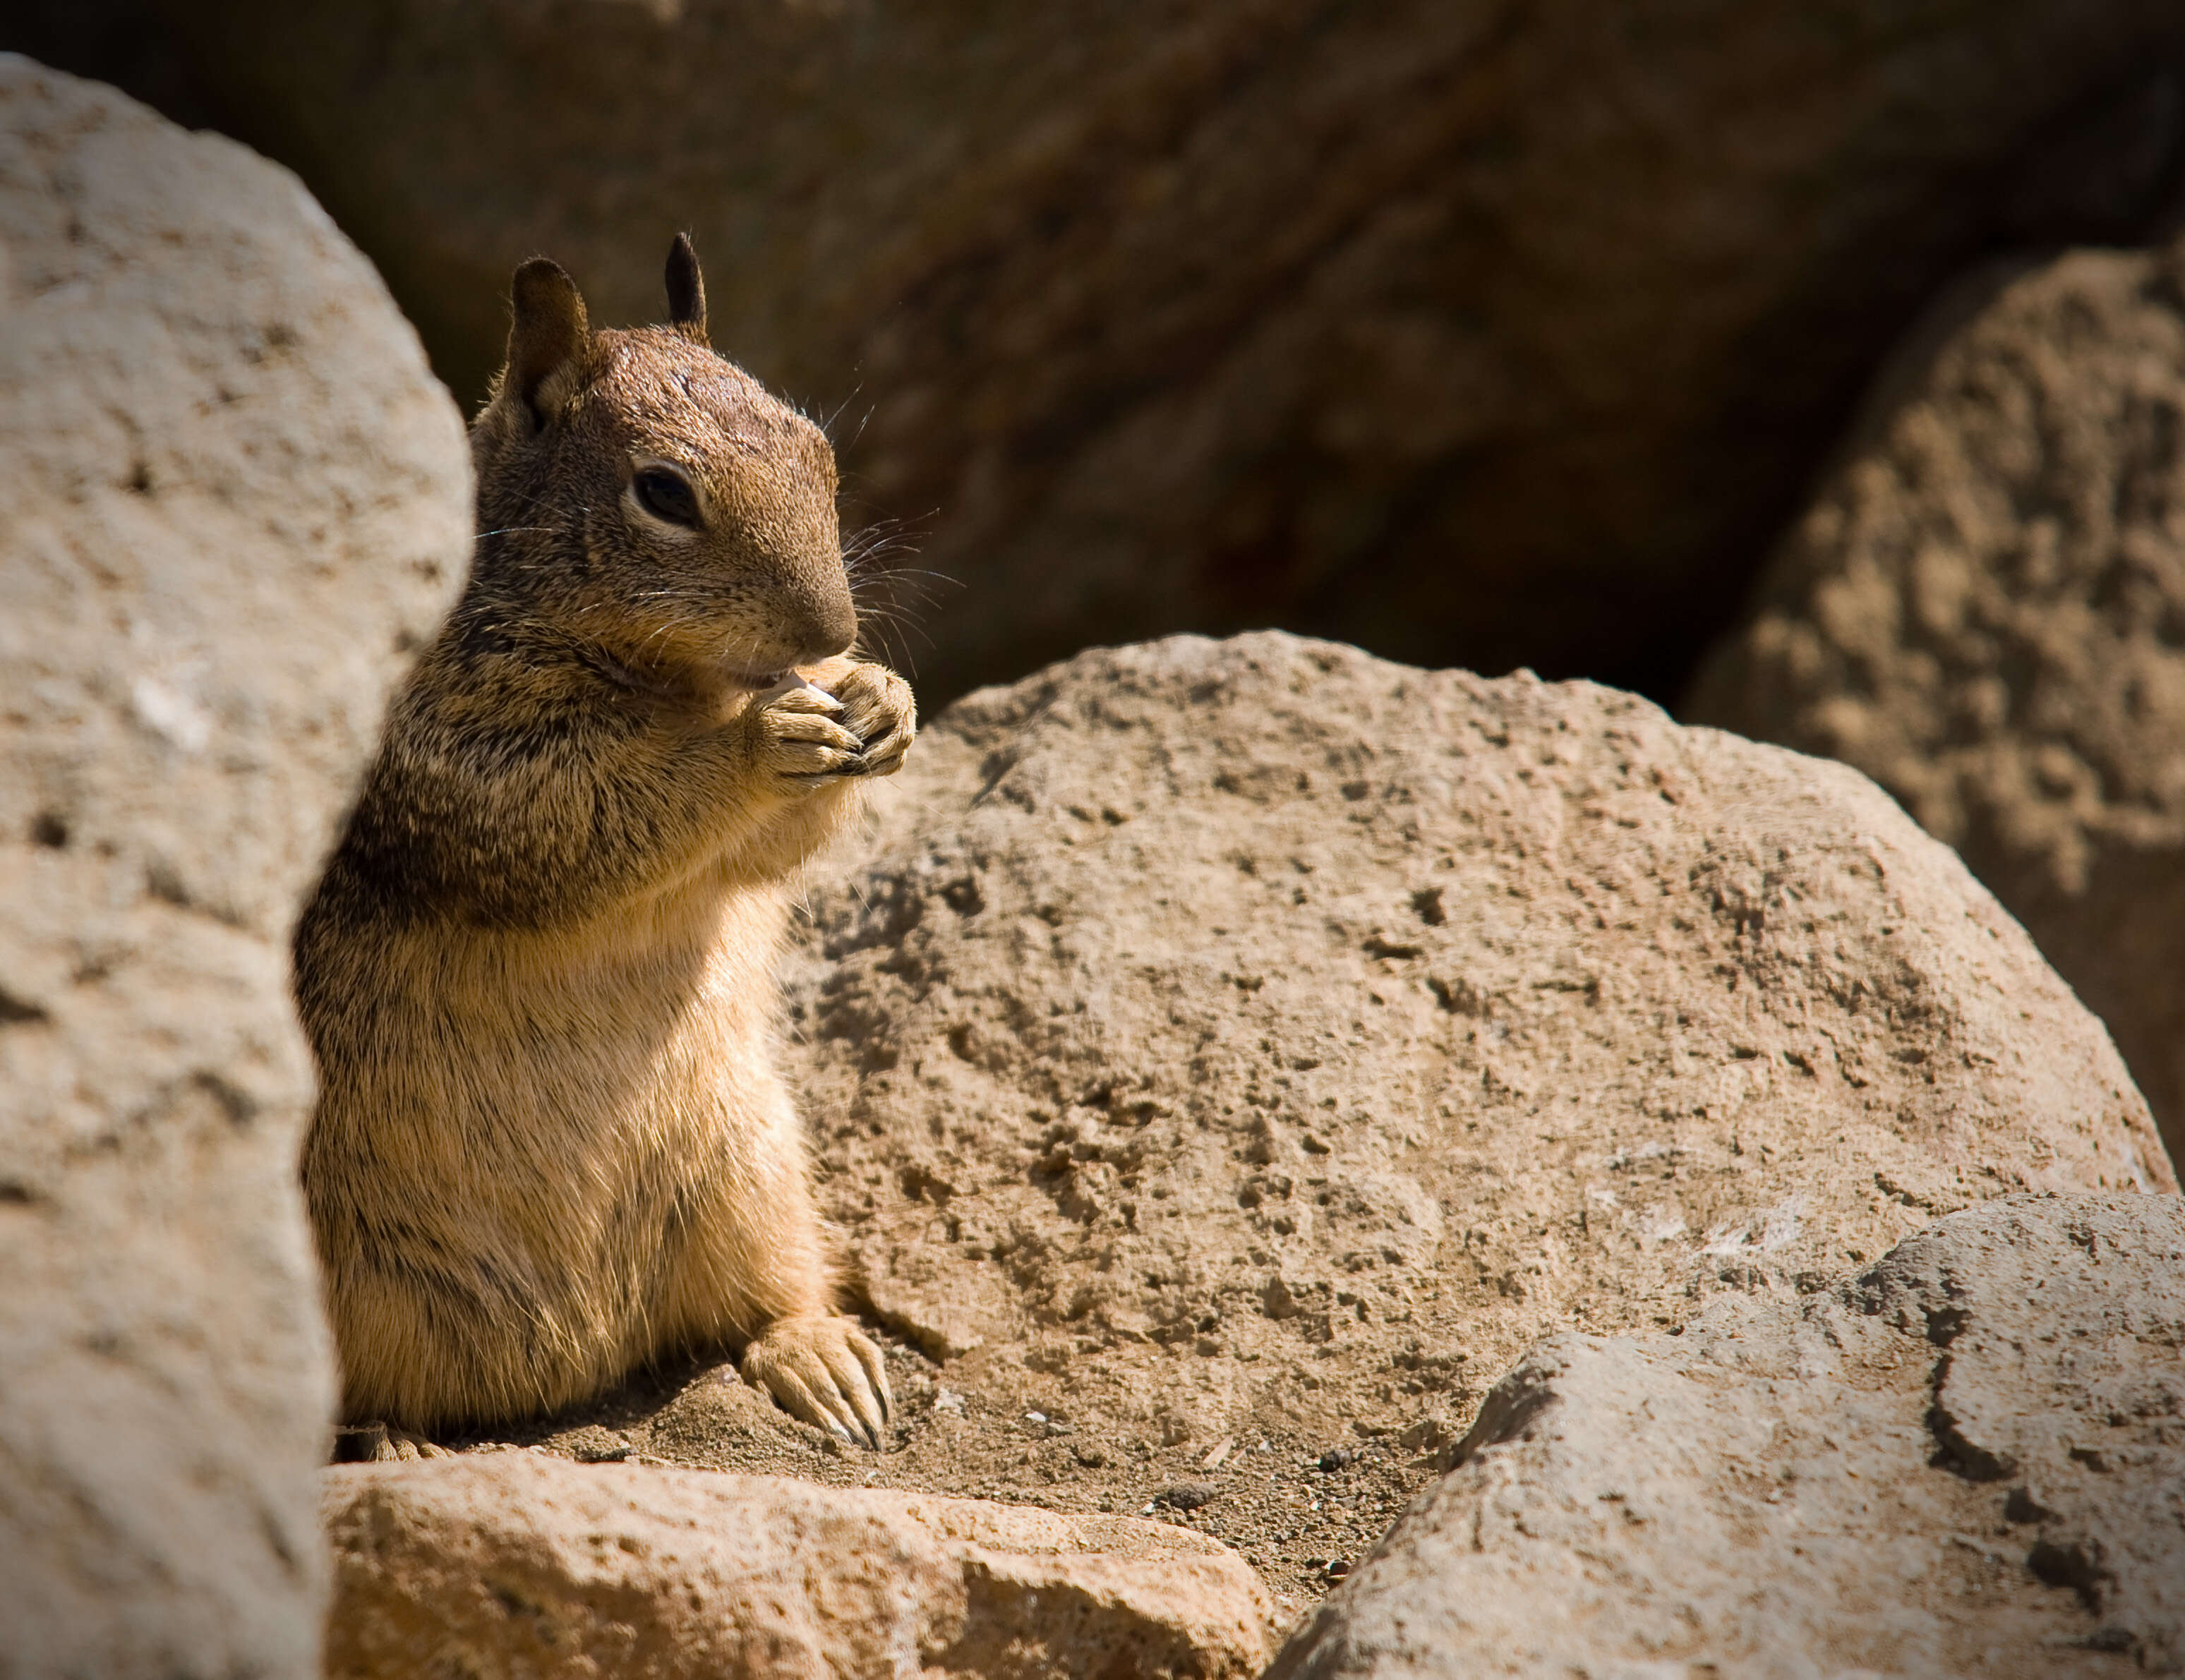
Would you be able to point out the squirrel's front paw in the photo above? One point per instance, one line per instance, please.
(879, 706)
(825, 1371)
(800, 734)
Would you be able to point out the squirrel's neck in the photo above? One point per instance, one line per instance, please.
(493, 641)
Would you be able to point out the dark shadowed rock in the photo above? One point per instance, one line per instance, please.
(1481, 334)
(1984, 610)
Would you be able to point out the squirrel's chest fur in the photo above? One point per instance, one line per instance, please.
(557, 1093)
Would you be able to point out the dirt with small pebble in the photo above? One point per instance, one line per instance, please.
(1302, 1509)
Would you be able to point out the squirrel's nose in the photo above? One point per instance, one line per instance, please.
(830, 626)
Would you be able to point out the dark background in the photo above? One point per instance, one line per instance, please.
(1484, 334)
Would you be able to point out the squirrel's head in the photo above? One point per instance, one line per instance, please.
(642, 495)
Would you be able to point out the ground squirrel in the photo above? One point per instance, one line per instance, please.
(550, 1144)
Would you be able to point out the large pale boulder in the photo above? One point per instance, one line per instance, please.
(1479, 334)
(230, 496)
(1229, 1057)
(520, 1564)
(1984, 610)
(1968, 1461)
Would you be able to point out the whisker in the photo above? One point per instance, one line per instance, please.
(828, 424)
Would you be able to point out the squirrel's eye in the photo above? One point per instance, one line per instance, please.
(665, 494)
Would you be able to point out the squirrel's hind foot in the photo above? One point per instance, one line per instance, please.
(823, 1368)
(378, 1442)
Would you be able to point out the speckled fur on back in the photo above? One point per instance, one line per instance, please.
(551, 1143)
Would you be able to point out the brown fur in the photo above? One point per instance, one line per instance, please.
(537, 974)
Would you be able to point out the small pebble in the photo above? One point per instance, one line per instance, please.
(1338, 1458)
(1187, 1496)
(1338, 1568)
(595, 1445)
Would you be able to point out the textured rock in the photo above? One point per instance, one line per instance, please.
(518, 1563)
(1479, 334)
(1984, 610)
(1969, 1461)
(229, 491)
(1256, 1039)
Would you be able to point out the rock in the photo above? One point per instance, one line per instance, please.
(1984, 610)
(517, 1564)
(1258, 1040)
(231, 494)
(1477, 334)
(1969, 1459)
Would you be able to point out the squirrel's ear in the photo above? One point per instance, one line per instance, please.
(547, 338)
(686, 291)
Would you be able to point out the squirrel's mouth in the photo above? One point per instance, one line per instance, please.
(753, 679)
